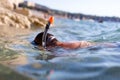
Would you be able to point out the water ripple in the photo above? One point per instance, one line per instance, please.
(80, 64)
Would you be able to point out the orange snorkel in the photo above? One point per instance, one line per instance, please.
(50, 21)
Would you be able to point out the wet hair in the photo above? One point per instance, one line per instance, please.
(50, 39)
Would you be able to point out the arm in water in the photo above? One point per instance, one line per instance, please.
(85, 44)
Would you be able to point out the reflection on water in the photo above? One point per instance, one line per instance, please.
(95, 63)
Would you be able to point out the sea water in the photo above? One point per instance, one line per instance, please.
(78, 64)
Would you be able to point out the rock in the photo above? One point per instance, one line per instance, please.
(6, 4)
(16, 2)
(23, 11)
(17, 20)
(19, 17)
(13, 19)
(10, 4)
(37, 21)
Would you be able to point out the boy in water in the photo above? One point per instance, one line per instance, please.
(51, 41)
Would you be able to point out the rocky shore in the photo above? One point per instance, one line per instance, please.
(16, 21)
(62, 14)
(16, 18)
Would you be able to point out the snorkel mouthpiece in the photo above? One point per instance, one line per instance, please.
(50, 21)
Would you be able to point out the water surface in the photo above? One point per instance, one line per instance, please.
(78, 64)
